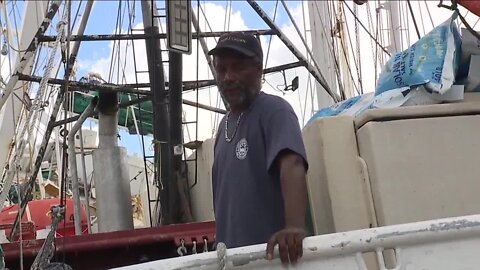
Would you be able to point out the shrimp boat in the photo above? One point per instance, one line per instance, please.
(107, 126)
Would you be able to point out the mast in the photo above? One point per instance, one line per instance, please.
(343, 53)
(10, 113)
(321, 30)
(394, 24)
(161, 126)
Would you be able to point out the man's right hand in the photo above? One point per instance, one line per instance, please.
(289, 242)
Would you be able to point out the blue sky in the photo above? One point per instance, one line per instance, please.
(103, 21)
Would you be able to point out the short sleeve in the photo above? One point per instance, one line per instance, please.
(282, 132)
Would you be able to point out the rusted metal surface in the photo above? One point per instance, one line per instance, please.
(115, 249)
(442, 244)
(472, 5)
(145, 36)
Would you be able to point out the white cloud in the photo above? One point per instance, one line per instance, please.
(208, 121)
(303, 100)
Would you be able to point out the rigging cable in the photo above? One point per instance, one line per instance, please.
(420, 10)
(357, 44)
(315, 64)
(347, 55)
(140, 135)
(206, 20)
(14, 7)
(112, 56)
(335, 45)
(2, 264)
(211, 30)
(197, 60)
(309, 53)
(466, 14)
(271, 36)
(403, 22)
(379, 34)
(331, 46)
(429, 14)
(368, 32)
(77, 15)
(65, 48)
(374, 48)
(51, 90)
(475, 24)
(309, 80)
(390, 17)
(33, 113)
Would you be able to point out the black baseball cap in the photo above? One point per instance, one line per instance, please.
(244, 43)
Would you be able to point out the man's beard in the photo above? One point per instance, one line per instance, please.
(243, 97)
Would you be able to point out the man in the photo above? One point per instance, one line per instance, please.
(259, 185)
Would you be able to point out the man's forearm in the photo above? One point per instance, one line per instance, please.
(294, 189)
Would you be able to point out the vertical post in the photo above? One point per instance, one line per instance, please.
(111, 170)
(161, 122)
(344, 55)
(72, 159)
(85, 182)
(179, 40)
(394, 23)
(182, 205)
(175, 105)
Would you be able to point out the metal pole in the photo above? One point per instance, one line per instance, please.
(131, 88)
(48, 132)
(178, 204)
(29, 53)
(73, 85)
(161, 122)
(395, 32)
(205, 107)
(204, 45)
(315, 71)
(145, 36)
(73, 164)
(85, 182)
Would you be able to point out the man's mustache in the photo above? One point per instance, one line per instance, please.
(230, 85)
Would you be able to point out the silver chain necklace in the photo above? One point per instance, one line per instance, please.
(236, 127)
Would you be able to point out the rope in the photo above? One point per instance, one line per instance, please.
(454, 7)
(357, 44)
(57, 266)
(366, 30)
(6, 183)
(222, 256)
(429, 14)
(2, 258)
(42, 261)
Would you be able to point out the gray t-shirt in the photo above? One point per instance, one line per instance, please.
(247, 195)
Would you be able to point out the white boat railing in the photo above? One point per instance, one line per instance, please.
(441, 244)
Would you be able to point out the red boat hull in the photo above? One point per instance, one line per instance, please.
(472, 5)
